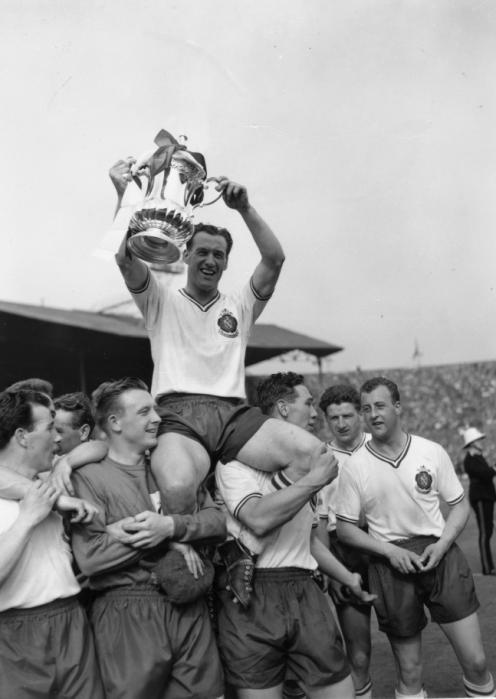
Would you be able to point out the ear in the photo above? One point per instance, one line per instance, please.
(20, 436)
(186, 256)
(282, 408)
(397, 408)
(84, 432)
(114, 423)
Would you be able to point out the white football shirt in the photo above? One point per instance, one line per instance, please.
(195, 348)
(286, 546)
(400, 497)
(326, 501)
(43, 572)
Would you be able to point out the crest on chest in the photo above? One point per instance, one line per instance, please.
(227, 324)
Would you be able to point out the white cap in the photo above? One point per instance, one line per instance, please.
(470, 435)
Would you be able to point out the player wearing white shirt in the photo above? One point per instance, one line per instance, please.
(396, 481)
(341, 407)
(199, 377)
(46, 647)
(288, 626)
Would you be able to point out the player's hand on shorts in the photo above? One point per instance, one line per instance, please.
(82, 511)
(357, 592)
(234, 195)
(121, 174)
(337, 591)
(38, 502)
(403, 560)
(432, 555)
(148, 529)
(192, 558)
(60, 476)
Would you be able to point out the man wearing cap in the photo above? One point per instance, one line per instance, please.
(481, 493)
(396, 481)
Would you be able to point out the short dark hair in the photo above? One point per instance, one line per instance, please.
(275, 387)
(34, 384)
(106, 397)
(211, 230)
(377, 381)
(16, 411)
(78, 404)
(340, 393)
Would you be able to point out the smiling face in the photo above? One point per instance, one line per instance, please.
(345, 424)
(381, 414)
(136, 420)
(206, 260)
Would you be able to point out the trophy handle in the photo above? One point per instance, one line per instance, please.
(205, 186)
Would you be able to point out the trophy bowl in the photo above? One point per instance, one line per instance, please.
(174, 181)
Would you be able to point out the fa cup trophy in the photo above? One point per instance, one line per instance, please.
(172, 181)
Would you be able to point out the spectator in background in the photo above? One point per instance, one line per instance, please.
(481, 493)
(74, 420)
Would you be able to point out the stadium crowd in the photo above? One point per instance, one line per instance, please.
(182, 542)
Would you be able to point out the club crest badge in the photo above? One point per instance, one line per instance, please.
(228, 324)
(423, 481)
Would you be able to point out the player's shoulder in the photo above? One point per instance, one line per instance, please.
(424, 444)
(97, 473)
(235, 474)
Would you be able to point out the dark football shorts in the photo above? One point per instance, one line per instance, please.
(355, 560)
(447, 591)
(288, 628)
(221, 425)
(149, 648)
(48, 651)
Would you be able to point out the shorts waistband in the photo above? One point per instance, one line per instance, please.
(413, 540)
(134, 591)
(166, 398)
(282, 574)
(55, 607)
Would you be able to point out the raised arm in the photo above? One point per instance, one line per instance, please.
(268, 269)
(133, 270)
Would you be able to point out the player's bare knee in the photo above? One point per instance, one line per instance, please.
(179, 499)
(359, 660)
(475, 668)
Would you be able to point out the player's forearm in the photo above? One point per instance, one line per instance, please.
(133, 270)
(352, 535)
(13, 486)
(455, 522)
(269, 246)
(261, 515)
(206, 526)
(328, 563)
(12, 544)
(98, 553)
(87, 453)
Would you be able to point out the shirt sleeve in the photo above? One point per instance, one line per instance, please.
(207, 526)
(348, 499)
(237, 484)
(450, 488)
(94, 549)
(251, 302)
(149, 298)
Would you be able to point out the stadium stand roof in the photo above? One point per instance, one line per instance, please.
(82, 346)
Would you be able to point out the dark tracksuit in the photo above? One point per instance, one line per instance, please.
(148, 648)
(482, 496)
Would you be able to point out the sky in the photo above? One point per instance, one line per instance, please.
(364, 132)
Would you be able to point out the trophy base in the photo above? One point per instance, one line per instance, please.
(153, 245)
